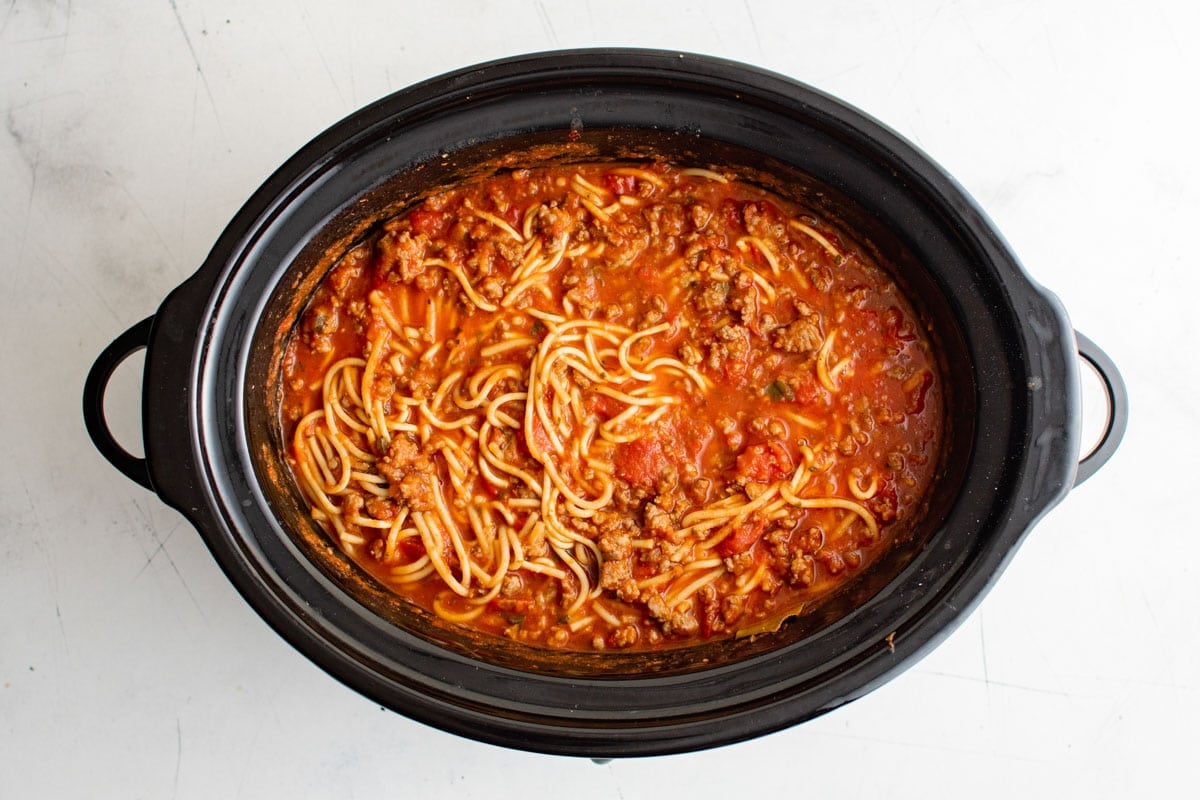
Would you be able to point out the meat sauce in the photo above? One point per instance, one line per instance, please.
(612, 406)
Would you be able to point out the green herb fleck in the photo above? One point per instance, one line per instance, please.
(780, 390)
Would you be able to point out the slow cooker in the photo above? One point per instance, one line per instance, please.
(213, 447)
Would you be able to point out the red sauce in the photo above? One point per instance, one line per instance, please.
(610, 405)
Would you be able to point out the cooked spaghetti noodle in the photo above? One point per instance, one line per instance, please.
(611, 405)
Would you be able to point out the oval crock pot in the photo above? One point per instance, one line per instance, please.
(212, 439)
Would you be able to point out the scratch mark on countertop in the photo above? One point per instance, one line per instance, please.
(352, 73)
(161, 543)
(178, 757)
(160, 548)
(983, 653)
(7, 16)
(547, 25)
(984, 52)
(33, 509)
(57, 270)
(999, 684)
(1149, 609)
(251, 749)
(32, 153)
(49, 37)
(39, 524)
(591, 16)
(753, 24)
(48, 23)
(142, 210)
(199, 69)
(54, 588)
(304, 15)
(917, 42)
(940, 746)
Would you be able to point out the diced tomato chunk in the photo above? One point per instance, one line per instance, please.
(603, 406)
(765, 463)
(426, 221)
(620, 184)
(743, 537)
(541, 439)
(805, 388)
(640, 462)
(411, 549)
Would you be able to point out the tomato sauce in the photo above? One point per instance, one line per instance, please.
(612, 406)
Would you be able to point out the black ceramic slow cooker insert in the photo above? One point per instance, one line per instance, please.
(213, 440)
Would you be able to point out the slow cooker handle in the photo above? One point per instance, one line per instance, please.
(125, 345)
(1118, 407)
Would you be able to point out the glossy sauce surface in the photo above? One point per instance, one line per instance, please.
(611, 406)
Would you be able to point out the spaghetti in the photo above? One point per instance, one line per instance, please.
(611, 405)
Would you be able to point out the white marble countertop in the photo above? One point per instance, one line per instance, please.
(132, 132)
